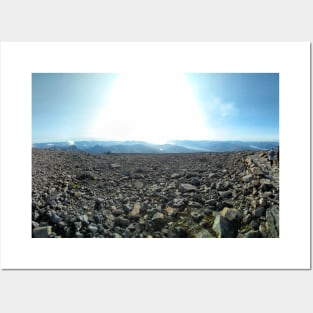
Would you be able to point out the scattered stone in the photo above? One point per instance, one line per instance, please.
(223, 228)
(204, 233)
(257, 171)
(266, 187)
(35, 225)
(135, 211)
(248, 178)
(253, 234)
(55, 219)
(138, 184)
(231, 215)
(259, 212)
(42, 232)
(115, 166)
(122, 222)
(213, 175)
(197, 217)
(93, 228)
(272, 222)
(158, 220)
(170, 211)
(187, 188)
(226, 194)
(86, 176)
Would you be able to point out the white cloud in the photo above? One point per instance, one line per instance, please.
(217, 108)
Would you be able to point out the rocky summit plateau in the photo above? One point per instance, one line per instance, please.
(179, 195)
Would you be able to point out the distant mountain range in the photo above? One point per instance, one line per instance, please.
(177, 146)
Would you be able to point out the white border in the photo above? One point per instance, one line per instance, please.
(290, 251)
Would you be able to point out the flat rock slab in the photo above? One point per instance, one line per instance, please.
(187, 188)
(42, 232)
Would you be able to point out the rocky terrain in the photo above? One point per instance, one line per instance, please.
(200, 195)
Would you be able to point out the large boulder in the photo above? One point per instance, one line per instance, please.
(223, 228)
(231, 215)
(272, 222)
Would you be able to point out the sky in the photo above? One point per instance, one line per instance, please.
(155, 107)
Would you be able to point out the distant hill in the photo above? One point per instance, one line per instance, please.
(177, 146)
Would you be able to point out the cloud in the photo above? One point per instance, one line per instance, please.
(220, 109)
(71, 142)
(227, 109)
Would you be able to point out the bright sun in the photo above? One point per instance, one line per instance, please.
(152, 107)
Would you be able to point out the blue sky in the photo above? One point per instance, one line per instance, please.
(155, 107)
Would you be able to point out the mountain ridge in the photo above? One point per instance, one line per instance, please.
(176, 146)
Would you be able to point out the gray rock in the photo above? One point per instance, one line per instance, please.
(197, 217)
(226, 194)
(170, 211)
(158, 221)
(247, 218)
(263, 202)
(35, 224)
(187, 188)
(99, 204)
(248, 178)
(231, 215)
(138, 184)
(135, 213)
(259, 212)
(35, 215)
(204, 233)
(254, 225)
(272, 222)
(115, 165)
(93, 228)
(255, 183)
(42, 232)
(84, 219)
(86, 176)
(191, 174)
(253, 234)
(211, 202)
(98, 218)
(78, 226)
(117, 212)
(257, 171)
(195, 181)
(223, 228)
(55, 219)
(266, 187)
(178, 203)
(213, 175)
(120, 221)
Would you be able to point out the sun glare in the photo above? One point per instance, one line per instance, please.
(152, 107)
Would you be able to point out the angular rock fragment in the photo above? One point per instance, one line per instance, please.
(158, 220)
(187, 188)
(42, 232)
(223, 228)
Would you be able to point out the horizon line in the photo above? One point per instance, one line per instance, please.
(145, 141)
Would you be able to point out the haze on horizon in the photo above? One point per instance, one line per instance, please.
(155, 107)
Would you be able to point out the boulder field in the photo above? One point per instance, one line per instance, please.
(196, 195)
